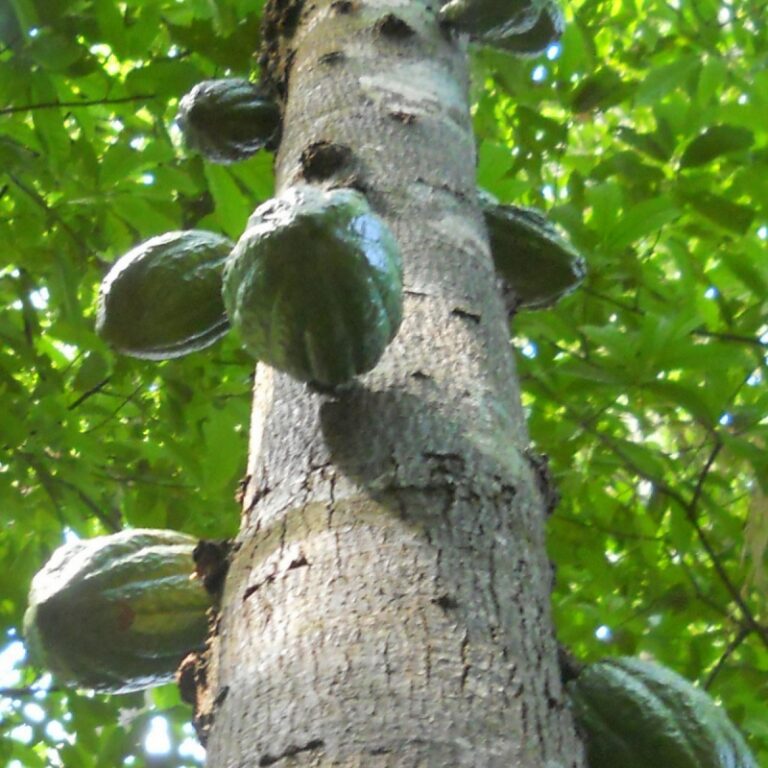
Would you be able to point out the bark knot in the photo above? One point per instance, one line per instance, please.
(394, 27)
(322, 160)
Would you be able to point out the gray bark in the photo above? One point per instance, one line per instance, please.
(389, 603)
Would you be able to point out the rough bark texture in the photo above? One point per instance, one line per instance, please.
(388, 605)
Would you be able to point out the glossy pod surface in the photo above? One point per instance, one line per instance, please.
(117, 613)
(546, 31)
(163, 298)
(314, 286)
(522, 27)
(492, 19)
(637, 714)
(530, 254)
(228, 120)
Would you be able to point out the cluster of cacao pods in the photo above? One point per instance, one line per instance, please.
(314, 288)
(314, 284)
(117, 614)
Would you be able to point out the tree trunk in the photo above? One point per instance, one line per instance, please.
(389, 602)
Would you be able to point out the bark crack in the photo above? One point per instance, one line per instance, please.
(465, 665)
(427, 647)
(492, 581)
(311, 746)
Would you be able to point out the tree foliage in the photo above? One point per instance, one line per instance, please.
(643, 135)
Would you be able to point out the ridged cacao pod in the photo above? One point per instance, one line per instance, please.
(637, 714)
(163, 299)
(228, 120)
(530, 254)
(547, 30)
(117, 613)
(491, 20)
(314, 286)
(522, 27)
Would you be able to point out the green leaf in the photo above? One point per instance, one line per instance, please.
(599, 91)
(715, 142)
(647, 143)
(232, 207)
(643, 219)
(661, 80)
(723, 211)
(687, 397)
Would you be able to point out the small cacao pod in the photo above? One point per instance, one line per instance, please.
(636, 714)
(163, 298)
(531, 256)
(314, 285)
(547, 30)
(228, 120)
(491, 20)
(117, 613)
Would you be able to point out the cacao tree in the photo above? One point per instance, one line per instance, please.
(389, 600)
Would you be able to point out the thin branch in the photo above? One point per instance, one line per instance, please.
(114, 413)
(689, 509)
(137, 480)
(30, 690)
(751, 340)
(610, 300)
(50, 482)
(719, 335)
(731, 588)
(111, 523)
(739, 638)
(690, 513)
(70, 104)
(41, 202)
(606, 530)
(700, 594)
(697, 491)
(89, 393)
(46, 481)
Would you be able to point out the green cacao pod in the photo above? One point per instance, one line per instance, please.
(491, 20)
(530, 254)
(637, 714)
(117, 613)
(522, 27)
(163, 298)
(314, 286)
(228, 120)
(547, 30)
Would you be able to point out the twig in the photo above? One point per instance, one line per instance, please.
(689, 509)
(609, 531)
(112, 524)
(89, 393)
(700, 594)
(30, 690)
(114, 413)
(137, 480)
(729, 337)
(740, 637)
(70, 104)
(40, 201)
(46, 481)
(697, 491)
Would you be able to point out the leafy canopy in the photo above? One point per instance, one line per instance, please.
(643, 135)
